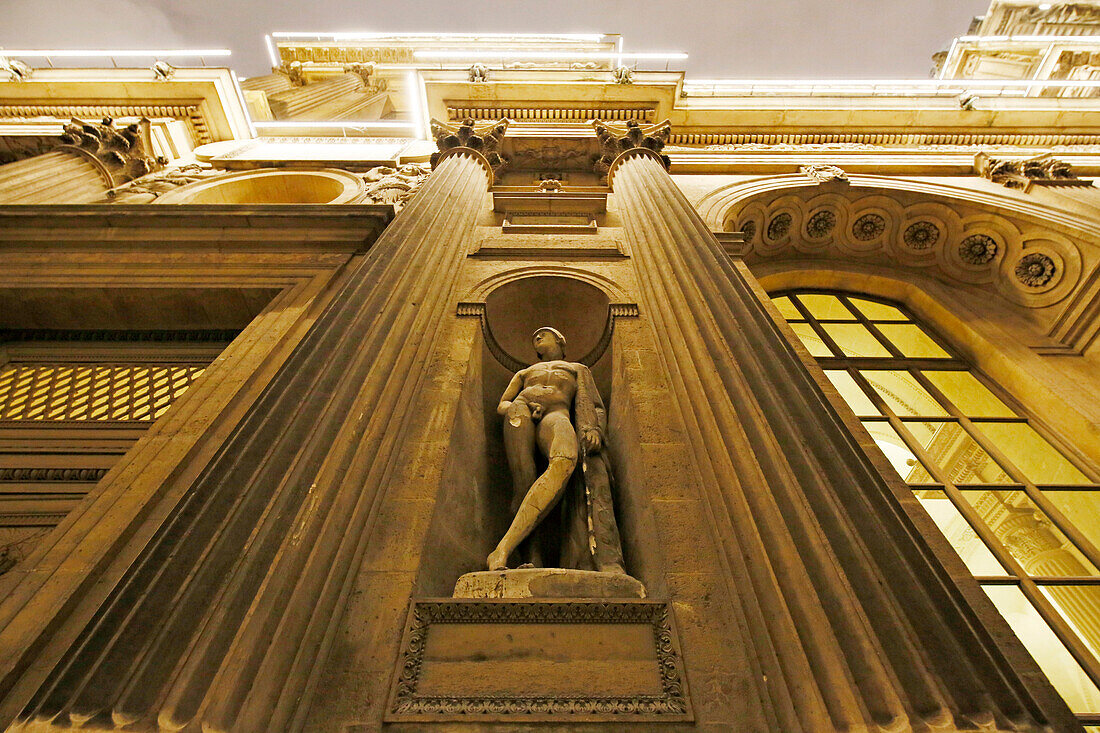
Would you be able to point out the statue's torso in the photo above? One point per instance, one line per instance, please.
(550, 384)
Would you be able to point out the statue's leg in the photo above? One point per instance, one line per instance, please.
(556, 438)
(520, 447)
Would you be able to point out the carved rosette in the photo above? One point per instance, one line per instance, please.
(921, 235)
(485, 139)
(125, 153)
(978, 249)
(614, 142)
(1035, 269)
(868, 227)
(821, 223)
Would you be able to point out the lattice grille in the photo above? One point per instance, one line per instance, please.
(109, 392)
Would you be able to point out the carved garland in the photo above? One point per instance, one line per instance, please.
(671, 702)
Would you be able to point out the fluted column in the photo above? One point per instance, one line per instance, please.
(853, 620)
(221, 620)
(57, 177)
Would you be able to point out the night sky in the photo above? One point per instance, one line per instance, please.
(725, 38)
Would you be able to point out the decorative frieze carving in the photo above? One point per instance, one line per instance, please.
(823, 173)
(1042, 170)
(479, 73)
(52, 474)
(126, 153)
(15, 69)
(615, 141)
(387, 185)
(151, 187)
(162, 70)
(623, 75)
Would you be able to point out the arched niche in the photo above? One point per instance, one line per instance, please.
(270, 186)
(472, 510)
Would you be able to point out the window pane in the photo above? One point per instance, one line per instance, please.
(855, 397)
(912, 341)
(899, 455)
(1028, 534)
(1080, 507)
(810, 339)
(787, 309)
(854, 339)
(904, 394)
(958, 454)
(878, 311)
(968, 394)
(1080, 606)
(979, 560)
(1062, 669)
(826, 306)
(1033, 455)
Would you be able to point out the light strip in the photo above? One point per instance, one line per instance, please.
(271, 55)
(1028, 39)
(565, 55)
(119, 53)
(369, 34)
(850, 83)
(335, 124)
(417, 93)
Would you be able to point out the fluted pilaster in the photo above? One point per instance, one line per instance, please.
(57, 177)
(853, 620)
(225, 614)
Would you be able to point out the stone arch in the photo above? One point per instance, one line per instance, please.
(614, 291)
(270, 186)
(1032, 255)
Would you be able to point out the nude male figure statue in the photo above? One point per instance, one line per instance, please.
(536, 407)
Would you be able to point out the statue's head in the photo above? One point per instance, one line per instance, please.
(549, 343)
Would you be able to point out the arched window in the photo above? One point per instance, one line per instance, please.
(1023, 514)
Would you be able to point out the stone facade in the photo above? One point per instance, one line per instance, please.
(831, 375)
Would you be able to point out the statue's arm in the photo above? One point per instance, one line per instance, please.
(592, 417)
(510, 393)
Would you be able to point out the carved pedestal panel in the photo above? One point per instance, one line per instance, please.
(530, 661)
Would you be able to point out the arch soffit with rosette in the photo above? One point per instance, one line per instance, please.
(1032, 255)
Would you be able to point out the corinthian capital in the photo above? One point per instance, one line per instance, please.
(1042, 170)
(125, 152)
(617, 140)
(485, 139)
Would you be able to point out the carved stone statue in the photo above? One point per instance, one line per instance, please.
(553, 412)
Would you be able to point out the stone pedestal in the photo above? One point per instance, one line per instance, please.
(547, 583)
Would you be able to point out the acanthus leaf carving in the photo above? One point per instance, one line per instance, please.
(615, 141)
(126, 153)
(485, 139)
(387, 185)
(1022, 174)
(823, 173)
